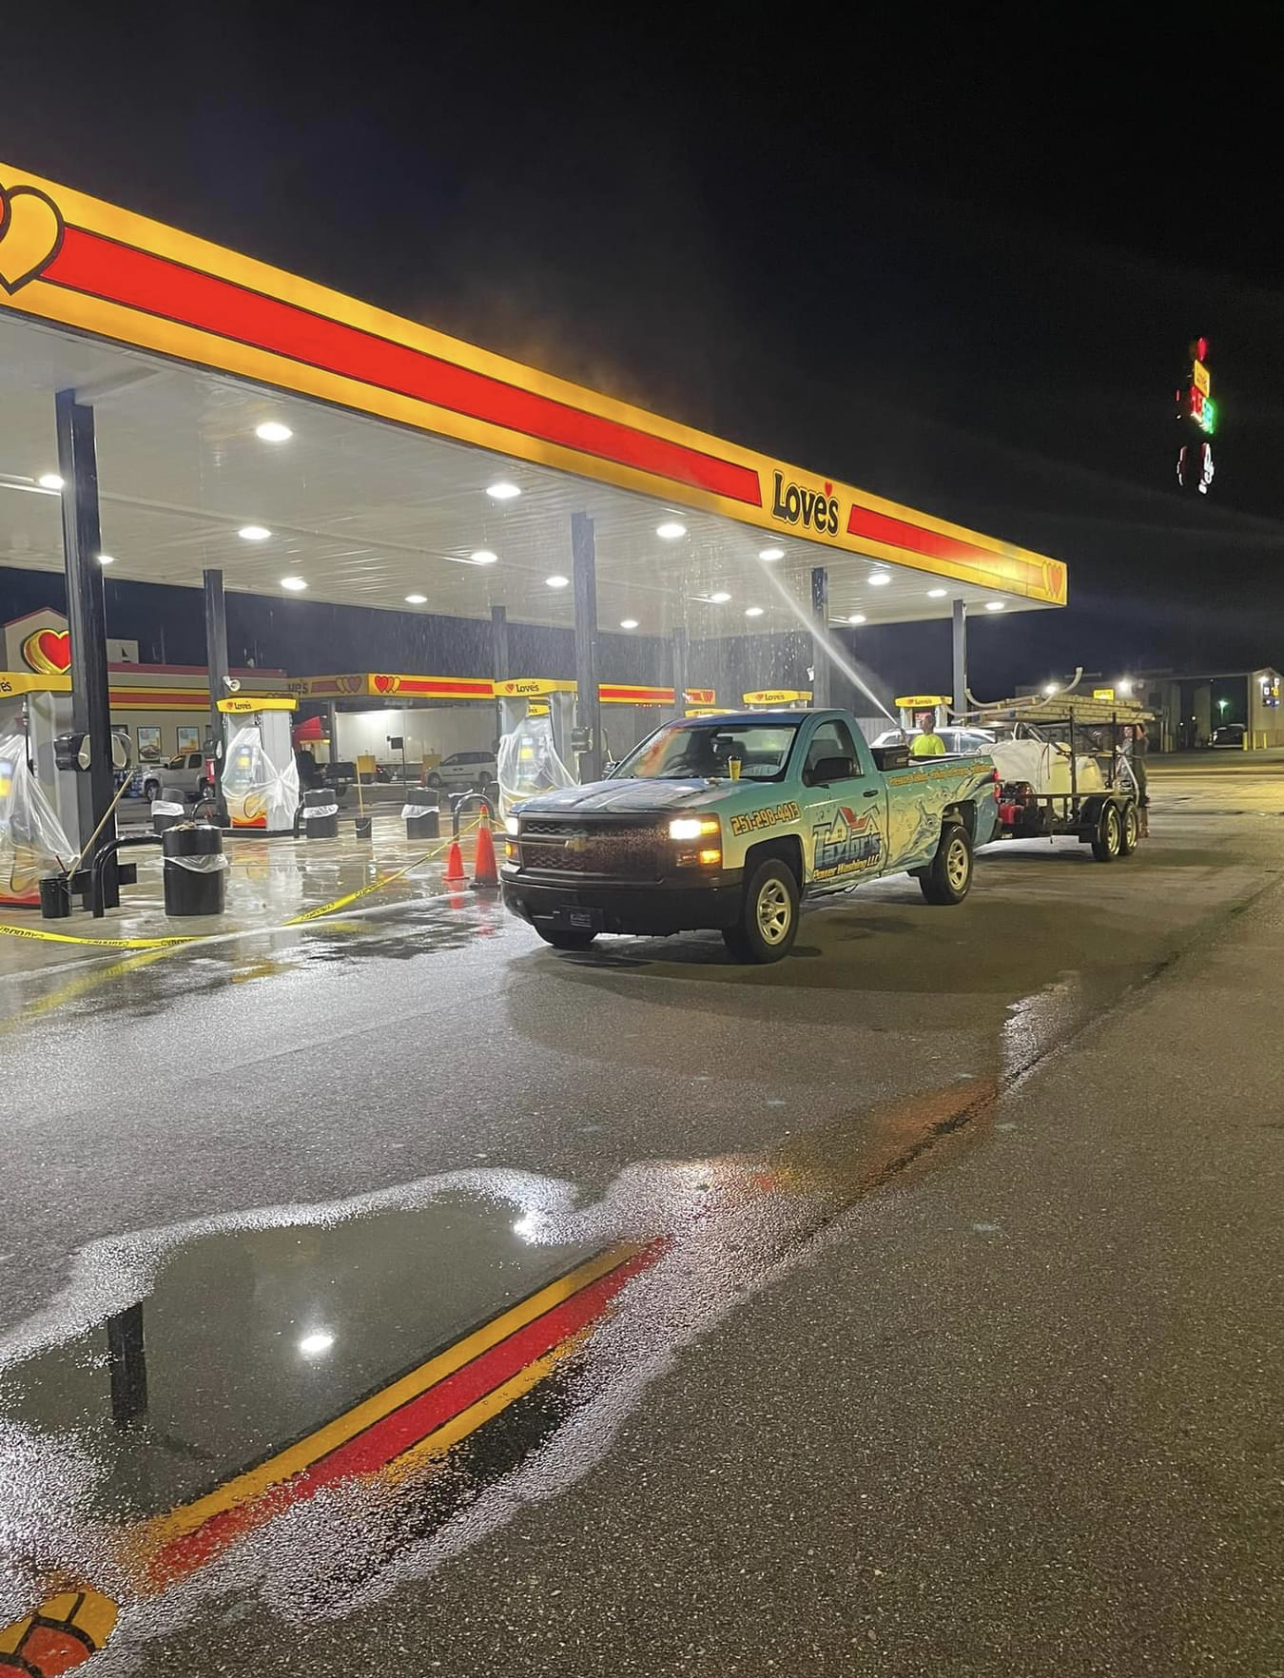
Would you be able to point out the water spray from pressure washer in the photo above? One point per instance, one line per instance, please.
(825, 645)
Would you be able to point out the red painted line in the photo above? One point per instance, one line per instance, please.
(897, 533)
(467, 690)
(101, 267)
(393, 1435)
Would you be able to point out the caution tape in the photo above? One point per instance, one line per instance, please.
(101, 943)
(202, 938)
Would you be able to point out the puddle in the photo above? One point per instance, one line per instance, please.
(313, 1404)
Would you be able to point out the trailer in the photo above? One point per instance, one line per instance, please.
(1101, 806)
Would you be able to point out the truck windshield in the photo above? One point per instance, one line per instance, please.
(684, 751)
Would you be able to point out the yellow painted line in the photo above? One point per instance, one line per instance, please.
(468, 1421)
(297, 1458)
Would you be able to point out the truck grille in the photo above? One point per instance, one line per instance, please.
(624, 850)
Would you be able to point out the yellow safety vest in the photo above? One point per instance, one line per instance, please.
(927, 745)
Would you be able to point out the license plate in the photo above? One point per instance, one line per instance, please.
(579, 920)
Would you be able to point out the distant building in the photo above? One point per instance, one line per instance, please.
(1190, 708)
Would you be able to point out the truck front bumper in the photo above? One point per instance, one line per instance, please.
(646, 909)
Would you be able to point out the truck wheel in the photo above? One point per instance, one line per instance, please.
(768, 920)
(151, 790)
(1131, 836)
(564, 939)
(949, 879)
(1109, 841)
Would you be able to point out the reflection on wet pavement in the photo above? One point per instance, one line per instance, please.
(295, 1400)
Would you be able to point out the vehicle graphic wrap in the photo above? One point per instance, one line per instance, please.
(751, 821)
(846, 844)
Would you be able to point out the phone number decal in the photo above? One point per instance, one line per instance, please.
(771, 816)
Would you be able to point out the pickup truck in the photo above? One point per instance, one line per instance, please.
(727, 822)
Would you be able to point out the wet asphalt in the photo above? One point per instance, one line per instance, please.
(961, 1353)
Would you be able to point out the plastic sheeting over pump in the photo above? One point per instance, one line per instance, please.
(32, 842)
(528, 763)
(257, 792)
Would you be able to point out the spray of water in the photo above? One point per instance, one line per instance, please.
(825, 646)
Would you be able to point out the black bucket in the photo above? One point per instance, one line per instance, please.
(195, 873)
(321, 827)
(363, 825)
(55, 897)
(165, 814)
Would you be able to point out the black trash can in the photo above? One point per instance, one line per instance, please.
(195, 869)
(55, 897)
(165, 812)
(321, 813)
(423, 819)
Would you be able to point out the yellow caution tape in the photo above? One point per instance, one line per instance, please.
(101, 943)
(203, 937)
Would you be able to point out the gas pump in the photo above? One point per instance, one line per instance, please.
(36, 838)
(536, 721)
(259, 780)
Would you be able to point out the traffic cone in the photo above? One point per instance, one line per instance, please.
(485, 869)
(454, 864)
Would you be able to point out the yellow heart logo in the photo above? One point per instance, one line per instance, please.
(30, 235)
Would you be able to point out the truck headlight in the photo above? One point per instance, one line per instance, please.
(693, 827)
(511, 825)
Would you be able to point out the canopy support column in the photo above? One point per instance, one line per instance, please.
(87, 620)
(822, 681)
(588, 703)
(679, 674)
(960, 657)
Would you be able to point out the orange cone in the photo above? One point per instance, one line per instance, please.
(485, 869)
(455, 863)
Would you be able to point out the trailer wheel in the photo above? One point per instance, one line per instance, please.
(1109, 841)
(768, 920)
(949, 878)
(1131, 835)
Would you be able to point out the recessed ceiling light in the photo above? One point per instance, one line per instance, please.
(503, 491)
(272, 431)
(49, 480)
(416, 600)
(557, 582)
(106, 559)
(937, 593)
(628, 623)
(1051, 687)
(484, 556)
(312, 1345)
(753, 611)
(995, 605)
(879, 579)
(254, 533)
(294, 584)
(771, 553)
(720, 598)
(857, 617)
(670, 530)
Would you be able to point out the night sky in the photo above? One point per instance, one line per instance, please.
(953, 266)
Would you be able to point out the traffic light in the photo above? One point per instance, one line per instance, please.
(1197, 417)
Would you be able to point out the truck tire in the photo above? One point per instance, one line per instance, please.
(1131, 837)
(564, 938)
(1109, 841)
(949, 878)
(768, 921)
(151, 790)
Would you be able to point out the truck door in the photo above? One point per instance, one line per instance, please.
(844, 809)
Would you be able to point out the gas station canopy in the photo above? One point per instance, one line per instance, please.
(235, 407)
